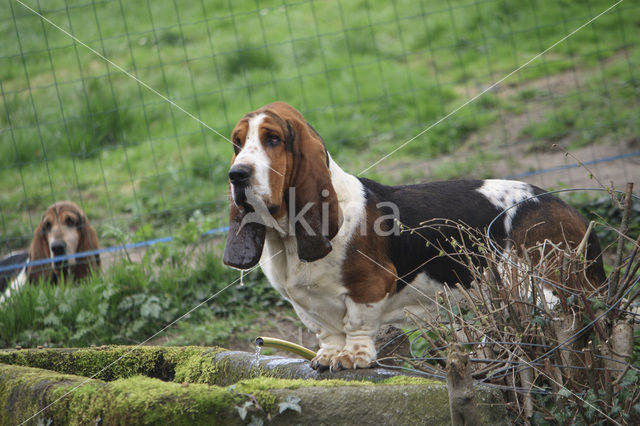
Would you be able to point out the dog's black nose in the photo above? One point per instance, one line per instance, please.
(58, 248)
(240, 174)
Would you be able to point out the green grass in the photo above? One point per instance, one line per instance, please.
(600, 111)
(130, 302)
(367, 74)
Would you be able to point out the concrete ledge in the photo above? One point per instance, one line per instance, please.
(213, 366)
(25, 391)
(242, 365)
(196, 385)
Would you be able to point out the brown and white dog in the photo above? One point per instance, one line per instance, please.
(63, 230)
(329, 241)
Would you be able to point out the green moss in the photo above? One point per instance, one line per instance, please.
(407, 380)
(269, 383)
(196, 367)
(142, 400)
(136, 400)
(110, 363)
(26, 391)
(260, 387)
(264, 383)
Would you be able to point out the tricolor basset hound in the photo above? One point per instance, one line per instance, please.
(63, 230)
(329, 241)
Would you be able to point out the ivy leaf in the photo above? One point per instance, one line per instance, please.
(255, 421)
(597, 304)
(291, 403)
(242, 411)
(542, 321)
(537, 418)
(564, 392)
(629, 378)
(151, 308)
(44, 422)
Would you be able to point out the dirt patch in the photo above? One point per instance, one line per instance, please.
(501, 149)
(617, 163)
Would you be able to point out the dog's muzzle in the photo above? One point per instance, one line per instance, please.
(240, 174)
(58, 248)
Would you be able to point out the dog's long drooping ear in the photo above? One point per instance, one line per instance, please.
(244, 241)
(316, 202)
(39, 250)
(88, 241)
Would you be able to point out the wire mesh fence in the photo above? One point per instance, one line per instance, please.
(125, 107)
(368, 75)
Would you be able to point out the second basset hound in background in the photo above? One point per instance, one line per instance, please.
(329, 241)
(63, 230)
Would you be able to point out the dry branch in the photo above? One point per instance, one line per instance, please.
(519, 335)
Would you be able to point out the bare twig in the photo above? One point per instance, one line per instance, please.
(583, 244)
(609, 189)
(515, 328)
(624, 228)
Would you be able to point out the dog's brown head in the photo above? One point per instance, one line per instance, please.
(280, 169)
(63, 230)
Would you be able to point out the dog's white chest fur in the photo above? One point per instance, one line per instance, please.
(315, 289)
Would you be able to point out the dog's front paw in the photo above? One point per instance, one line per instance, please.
(322, 360)
(358, 356)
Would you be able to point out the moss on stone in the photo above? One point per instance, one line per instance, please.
(142, 400)
(260, 387)
(136, 400)
(110, 363)
(196, 367)
(409, 380)
(26, 391)
(266, 383)
(191, 364)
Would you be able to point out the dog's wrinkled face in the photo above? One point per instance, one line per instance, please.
(262, 162)
(60, 227)
(279, 174)
(63, 230)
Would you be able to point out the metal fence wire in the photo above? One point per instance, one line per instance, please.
(124, 107)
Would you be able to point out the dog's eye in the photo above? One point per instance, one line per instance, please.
(273, 140)
(237, 144)
(70, 222)
(47, 226)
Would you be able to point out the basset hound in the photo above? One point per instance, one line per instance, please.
(332, 244)
(63, 230)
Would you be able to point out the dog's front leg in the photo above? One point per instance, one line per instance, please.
(329, 334)
(361, 324)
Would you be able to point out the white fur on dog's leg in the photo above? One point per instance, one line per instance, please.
(362, 322)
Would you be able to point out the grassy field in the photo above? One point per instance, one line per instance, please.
(368, 75)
